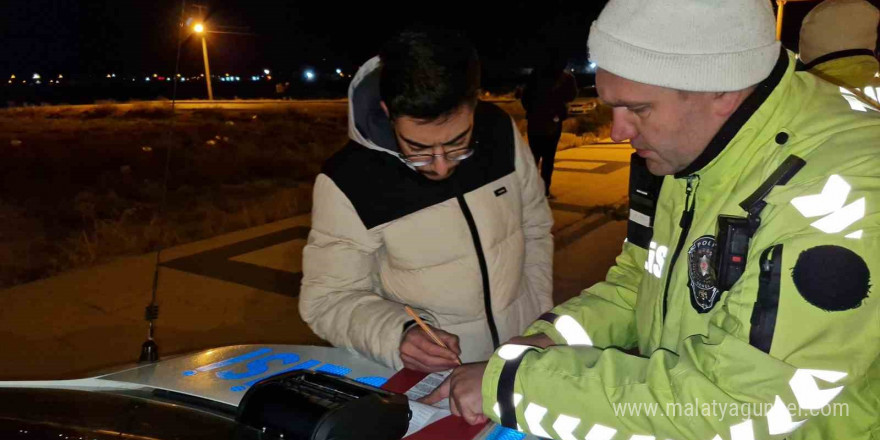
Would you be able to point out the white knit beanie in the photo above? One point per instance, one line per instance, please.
(694, 45)
(837, 25)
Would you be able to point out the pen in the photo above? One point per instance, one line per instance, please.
(427, 329)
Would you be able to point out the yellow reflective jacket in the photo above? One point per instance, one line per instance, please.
(857, 73)
(791, 350)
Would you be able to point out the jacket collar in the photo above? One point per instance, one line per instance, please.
(834, 56)
(733, 128)
(853, 72)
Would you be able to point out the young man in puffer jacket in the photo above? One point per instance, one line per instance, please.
(434, 203)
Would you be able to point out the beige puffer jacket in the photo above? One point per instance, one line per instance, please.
(384, 236)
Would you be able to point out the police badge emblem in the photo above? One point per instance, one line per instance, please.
(701, 274)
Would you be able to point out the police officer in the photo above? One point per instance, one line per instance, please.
(745, 282)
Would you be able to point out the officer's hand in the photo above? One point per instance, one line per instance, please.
(464, 389)
(537, 340)
(419, 352)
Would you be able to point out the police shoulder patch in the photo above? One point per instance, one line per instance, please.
(702, 280)
(832, 278)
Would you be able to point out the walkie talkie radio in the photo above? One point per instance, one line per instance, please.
(734, 233)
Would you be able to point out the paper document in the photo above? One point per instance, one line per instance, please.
(427, 385)
(423, 415)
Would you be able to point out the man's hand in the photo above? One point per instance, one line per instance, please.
(540, 340)
(464, 389)
(419, 352)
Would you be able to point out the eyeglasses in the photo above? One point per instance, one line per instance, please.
(420, 160)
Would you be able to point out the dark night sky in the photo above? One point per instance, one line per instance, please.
(136, 37)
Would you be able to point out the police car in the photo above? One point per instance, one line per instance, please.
(194, 396)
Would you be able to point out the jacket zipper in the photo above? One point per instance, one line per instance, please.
(481, 257)
(767, 304)
(687, 217)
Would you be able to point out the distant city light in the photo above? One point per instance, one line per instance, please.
(155, 75)
(339, 71)
(199, 28)
(108, 75)
(266, 71)
(36, 76)
(592, 65)
(12, 77)
(147, 79)
(310, 75)
(60, 76)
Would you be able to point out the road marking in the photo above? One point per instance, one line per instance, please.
(218, 264)
(605, 166)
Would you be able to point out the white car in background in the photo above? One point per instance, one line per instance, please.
(587, 101)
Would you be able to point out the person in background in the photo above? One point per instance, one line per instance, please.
(547, 92)
(838, 43)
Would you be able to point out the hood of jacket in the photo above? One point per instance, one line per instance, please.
(368, 125)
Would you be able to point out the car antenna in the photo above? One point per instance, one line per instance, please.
(149, 349)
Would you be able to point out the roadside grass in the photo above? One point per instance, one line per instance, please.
(83, 185)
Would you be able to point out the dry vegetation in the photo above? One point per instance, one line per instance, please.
(80, 186)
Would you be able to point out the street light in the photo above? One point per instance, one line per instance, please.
(200, 29)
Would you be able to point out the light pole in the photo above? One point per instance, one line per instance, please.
(780, 10)
(780, 4)
(200, 29)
